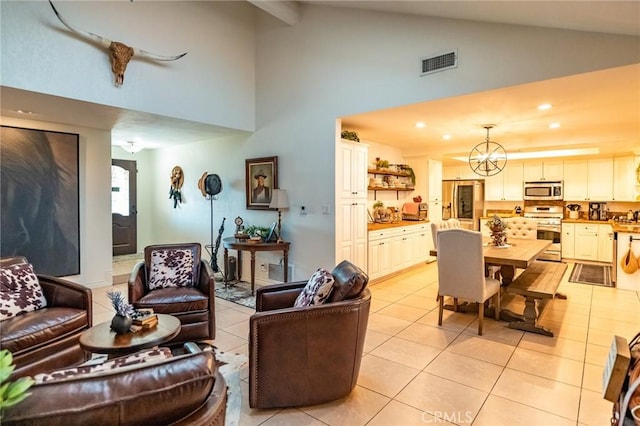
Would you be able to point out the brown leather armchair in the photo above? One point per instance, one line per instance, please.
(183, 390)
(48, 338)
(307, 355)
(193, 305)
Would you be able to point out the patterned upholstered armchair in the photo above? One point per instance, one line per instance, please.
(175, 280)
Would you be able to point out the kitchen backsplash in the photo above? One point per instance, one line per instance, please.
(615, 208)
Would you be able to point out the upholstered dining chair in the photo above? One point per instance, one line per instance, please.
(461, 272)
(442, 224)
(173, 279)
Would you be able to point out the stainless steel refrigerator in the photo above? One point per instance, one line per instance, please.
(463, 200)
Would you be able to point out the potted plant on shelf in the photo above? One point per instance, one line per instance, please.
(257, 231)
(350, 135)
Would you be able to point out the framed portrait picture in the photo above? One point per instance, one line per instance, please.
(40, 193)
(261, 175)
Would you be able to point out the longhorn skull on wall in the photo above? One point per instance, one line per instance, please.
(120, 53)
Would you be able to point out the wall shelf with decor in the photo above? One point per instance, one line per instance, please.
(376, 185)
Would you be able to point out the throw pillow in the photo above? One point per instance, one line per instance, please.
(20, 291)
(350, 281)
(171, 268)
(317, 290)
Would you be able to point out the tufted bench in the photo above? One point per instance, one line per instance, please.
(521, 227)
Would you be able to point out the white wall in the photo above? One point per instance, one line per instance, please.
(214, 83)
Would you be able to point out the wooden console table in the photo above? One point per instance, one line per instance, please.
(252, 247)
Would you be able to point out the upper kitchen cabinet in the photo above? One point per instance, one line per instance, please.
(460, 172)
(543, 171)
(588, 180)
(624, 179)
(351, 170)
(506, 185)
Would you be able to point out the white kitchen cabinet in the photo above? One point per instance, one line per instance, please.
(588, 180)
(351, 232)
(568, 240)
(351, 170)
(435, 211)
(394, 249)
(351, 203)
(543, 171)
(435, 181)
(586, 242)
(605, 243)
(379, 261)
(624, 179)
(506, 185)
(460, 172)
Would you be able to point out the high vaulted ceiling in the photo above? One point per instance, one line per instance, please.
(605, 115)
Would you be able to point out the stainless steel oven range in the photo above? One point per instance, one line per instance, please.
(549, 220)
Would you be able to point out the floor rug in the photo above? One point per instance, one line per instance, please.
(237, 292)
(231, 366)
(591, 274)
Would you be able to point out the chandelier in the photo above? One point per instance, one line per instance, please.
(488, 158)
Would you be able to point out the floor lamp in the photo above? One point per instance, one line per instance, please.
(280, 201)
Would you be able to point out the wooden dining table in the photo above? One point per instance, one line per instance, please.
(517, 254)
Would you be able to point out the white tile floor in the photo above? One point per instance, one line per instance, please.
(415, 372)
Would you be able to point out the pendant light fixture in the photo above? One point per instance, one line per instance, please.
(488, 158)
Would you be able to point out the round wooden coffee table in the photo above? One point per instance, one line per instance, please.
(101, 339)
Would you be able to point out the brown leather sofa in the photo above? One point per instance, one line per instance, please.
(307, 355)
(194, 306)
(48, 338)
(181, 390)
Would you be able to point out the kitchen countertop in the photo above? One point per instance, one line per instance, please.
(629, 227)
(379, 226)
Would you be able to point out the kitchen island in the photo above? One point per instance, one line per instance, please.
(627, 236)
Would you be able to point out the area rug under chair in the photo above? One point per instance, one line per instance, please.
(591, 274)
(237, 292)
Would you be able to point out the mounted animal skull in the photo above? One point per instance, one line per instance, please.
(120, 53)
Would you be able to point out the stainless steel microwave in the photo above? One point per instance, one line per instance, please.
(543, 190)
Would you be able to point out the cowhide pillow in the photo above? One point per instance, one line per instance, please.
(171, 268)
(317, 290)
(148, 356)
(20, 291)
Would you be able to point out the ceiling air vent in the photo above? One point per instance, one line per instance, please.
(438, 63)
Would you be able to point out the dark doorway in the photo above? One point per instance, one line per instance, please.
(123, 207)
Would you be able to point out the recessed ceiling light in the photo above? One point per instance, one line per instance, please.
(555, 125)
(446, 137)
(420, 124)
(543, 107)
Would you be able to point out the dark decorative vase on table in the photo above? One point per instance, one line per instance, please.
(121, 323)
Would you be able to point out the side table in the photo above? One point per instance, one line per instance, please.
(253, 247)
(101, 339)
